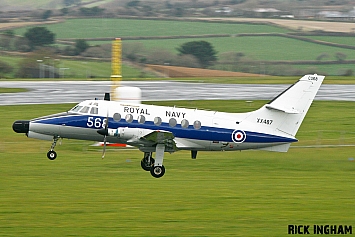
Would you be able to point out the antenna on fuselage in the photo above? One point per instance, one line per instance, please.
(107, 96)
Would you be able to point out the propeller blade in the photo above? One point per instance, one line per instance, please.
(105, 133)
(106, 124)
(104, 149)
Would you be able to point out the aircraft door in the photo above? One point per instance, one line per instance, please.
(217, 145)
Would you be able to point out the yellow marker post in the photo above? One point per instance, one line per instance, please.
(116, 65)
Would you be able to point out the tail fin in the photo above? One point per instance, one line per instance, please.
(286, 112)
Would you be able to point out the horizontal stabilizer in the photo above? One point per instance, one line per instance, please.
(285, 110)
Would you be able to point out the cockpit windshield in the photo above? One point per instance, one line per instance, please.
(76, 108)
(91, 108)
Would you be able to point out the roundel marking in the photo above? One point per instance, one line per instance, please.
(238, 136)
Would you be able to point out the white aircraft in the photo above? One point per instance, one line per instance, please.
(162, 129)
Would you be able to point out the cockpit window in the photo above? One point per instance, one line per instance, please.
(85, 109)
(76, 108)
(94, 110)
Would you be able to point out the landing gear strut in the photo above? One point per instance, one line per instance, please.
(147, 161)
(158, 170)
(51, 154)
(156, 166)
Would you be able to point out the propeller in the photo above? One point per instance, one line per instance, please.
(104, 132)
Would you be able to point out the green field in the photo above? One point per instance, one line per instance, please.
(84, 69)
(12, 90)
(38, 4)
(249, 193)
(335, 39)
(334, 69)
(258, 48)
(254, 48)
(104, 27)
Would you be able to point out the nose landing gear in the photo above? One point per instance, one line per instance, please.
(51, 154)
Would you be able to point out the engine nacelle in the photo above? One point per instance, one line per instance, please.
(126, 133)
(39, 136)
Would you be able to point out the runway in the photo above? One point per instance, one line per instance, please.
(54, 92)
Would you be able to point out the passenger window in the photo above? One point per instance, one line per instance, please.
(141, 119)
(94, 110)
(129, 118)
(157, 121)
(172, 122)
(197, 124)
(117, 117)
(85, 109)
(184, 123)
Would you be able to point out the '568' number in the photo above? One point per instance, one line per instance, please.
(96, 122)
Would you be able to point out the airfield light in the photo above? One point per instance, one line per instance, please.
(116, 63)
(126, 94)
(40, 68)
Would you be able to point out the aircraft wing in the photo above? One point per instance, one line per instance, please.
(161, 137)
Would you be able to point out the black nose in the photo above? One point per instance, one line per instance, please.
(21, 126)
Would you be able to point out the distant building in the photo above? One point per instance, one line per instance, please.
(224, 10)
(337, 15)
(266, 10)
(270, 12)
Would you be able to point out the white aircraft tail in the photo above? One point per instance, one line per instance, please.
(285, 113)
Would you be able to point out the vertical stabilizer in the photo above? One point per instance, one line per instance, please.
(288, 109)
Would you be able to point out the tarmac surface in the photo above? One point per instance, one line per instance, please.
(54, 92)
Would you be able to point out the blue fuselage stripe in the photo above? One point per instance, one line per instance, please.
(204, 133)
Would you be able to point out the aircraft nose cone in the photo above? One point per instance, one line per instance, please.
(21, 126)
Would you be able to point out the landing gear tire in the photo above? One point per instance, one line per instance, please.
(147, 165)
(51, 155)
(157, 171)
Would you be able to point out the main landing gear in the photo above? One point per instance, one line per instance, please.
(156, 166)
(51, 154)
(147, 161)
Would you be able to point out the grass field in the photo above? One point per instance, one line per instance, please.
(103, 27)
(254, 48)
(258, 48)
(12, 90)
(335, 39)
(84, 69)
(249, 193)
(35, 5)
(346, 80)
